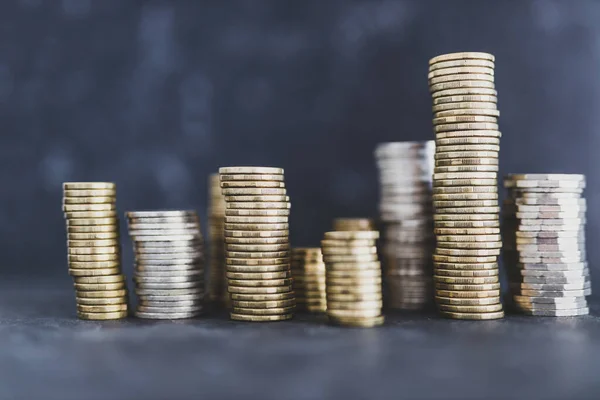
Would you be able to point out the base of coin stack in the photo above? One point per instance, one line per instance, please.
(406, 214)
(354, 224)
(217, 281)
(544, 250)
(94, 250)
(353, 278)
(465, 186)
(257, 244)
(169, 263)
(308, 272)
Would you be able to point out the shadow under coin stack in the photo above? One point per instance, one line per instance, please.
(217, 283)
(169, 263)
(547, 266)
(353, 224)
(308, 272)
(406, 213)
(353, 278)
(257, 243)
(465, 186)
(94, 250)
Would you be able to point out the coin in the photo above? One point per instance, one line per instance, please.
(258, 205)
(251, 177)
(362, 322)
(259, 275)
(257, 198)
(94, 250)
(472, 302)
(257, 240)
(558, 313)
(357, 258)
(464, 91)
(263, 268)
(89, 215)
(259, 290)
(352, 235)
(101, 301)
(89, 207)
(259, 282)
(349, 250)
(88, 185)
(461, 63)
(353, 313)
(250, 170)
(264, 311)
(252, 184)
(276, 304)
(344, 306)
(93, 257)
(465, 280)
(93, 229)
(97, 193)
(264, 297)
(460, 84)
(467, 294)
(100, 279)
(354, 297)
(101, 308)
(471, 159)
(471, 309)
(93, 237)
(256, 233)
(460, 70)
(93, 272)
(553, 293)
(462, 56)
(99, 316)
(260, 318)
(473, 316)
(444, 223)
(258, 212)
(465, 168)
(167, 315)
(353, 266)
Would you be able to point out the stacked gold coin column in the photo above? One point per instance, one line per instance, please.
(354, 224)
(257, 251)
(353, 278)
(308, 272)
(406, 212)
(217, 283)
(94, 250)
(465, 186)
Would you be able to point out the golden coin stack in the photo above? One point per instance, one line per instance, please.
(465, 187)
(257, 249)
(94, 250)
(308, 272)
(217, 283)
(169, 263)
(406, 212)
(544, 249)
(353, 278)
(353, 224)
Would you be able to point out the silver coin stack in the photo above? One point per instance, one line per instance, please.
(217, 281)
(169, 263)
(544, 220)
(405, 170)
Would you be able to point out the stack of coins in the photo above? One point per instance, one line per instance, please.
(465, 186)
(353, 224)
(545, 244)
(257, 243)
(169, 263)
(217, 283)
(94, 249)
(353, 278)
(406, 211)
(308, 272)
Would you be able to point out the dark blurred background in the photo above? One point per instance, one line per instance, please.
(156, 95)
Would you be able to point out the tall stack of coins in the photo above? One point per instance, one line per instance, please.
(169, 263)
(94, 249)
(545, 253)
(353, 224)
(257, 243)
(353, 278)
(406, 211)
(217, 283)
(308, 272)
(465, 186)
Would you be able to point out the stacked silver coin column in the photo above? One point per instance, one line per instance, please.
(217, 282)
(169, 263)
(406, 211)
(547, 266)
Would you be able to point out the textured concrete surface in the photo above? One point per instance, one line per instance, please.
(48, 354)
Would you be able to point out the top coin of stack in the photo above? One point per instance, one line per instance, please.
(549, 273)
(406, 211)
(257, 243)
(353, 278)
(217, 283)
(353, 224)
(94, 249)
(308, 272)
(465, 191)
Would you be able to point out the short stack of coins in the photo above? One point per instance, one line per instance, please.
(308, 272)
(217, 282)
(169, 263)
(465, 187)
(406, 213)
(354, 224)
(257, 249)
(547, 264)
(353, 278)
(94, 250)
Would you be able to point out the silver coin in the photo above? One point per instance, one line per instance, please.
(169, 286)
(138, 233)
(169, 308)
(523, 305)
(557, 302)
(166, 252)
(561, 202)
(553, 293)
(197, 273)
(550, 228)
(147, 245)
(574, 241)
(581, 280)
(174, 261)
(169, 237)
(551, 248)
(141, 278)
(176, 303)
(555, 274)
(171, 297)
(551, 260)
(551, 234)
(197, 255)
(171, 315)
(558, 313)
(552, 266)
(160, 267)
(580, 207)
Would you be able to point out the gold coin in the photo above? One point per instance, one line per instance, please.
(92, 237)
(464, 259)
(464, 203)
(93, 257)
(277, 212)
(347, 243)
(461, 84)
(112, 228)
(476, 140)
(101, 301)
(443, 183)
(94, 250)
(100, 279)
(465, 99)
(272, 198)
(465, 196)
(465, 280)
(467, 266)
(93, 243)
(256, 227)
(367, 289)
(352, 281)
(469, 238)
(459, 70)
(256, 305)
(94, 264)
(251, 177)
(352, 235)
(364, 313)
(89, 193)
(258, 248)
(465, 91)
(253, 192)
(492, 223)
(461, 63)
(256, 261)
(88, 185)
(353, 266)
(258, 268)
(88, 207)
(487, 112)
(469, 245)
(353, 297)
(486, 133)
(357, 274)
(257, 255)
(258, 275)
(435, 80)
(460, 155)
(465, 273)
(101, 293)
(259, 282)
(266, 205)
(259, 290)
(444, 232)
(260, 318)
(99, 286)
(467, 294)
(250, 170)
(93, 272)
(473, 316)
(256, 220)
(102, 316)
(467, 161)
(467, 287)
(252, 184)
(90, 214)
(264, 311)
(466, 105)
(462, 56)
(358, 322)
(456, 119)
(467, 252)
(467, 214)
(256, 234)
(467, 126)
(108, 308)
(483, 301)
(257, 240)
(262, 297)
(89, 200)
(113, 222)
(471, 309)
(357, 258)
(348, 250)
(355, 305)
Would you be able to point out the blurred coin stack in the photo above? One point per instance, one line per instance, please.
(406, 212)
(353, 278)
(169, 263)
(257, 243)
(465, 186)
(353, 224)
(308, 272)
(217, 283)
(94, 250)
(545, 255)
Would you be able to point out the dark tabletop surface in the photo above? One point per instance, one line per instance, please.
(46, 353)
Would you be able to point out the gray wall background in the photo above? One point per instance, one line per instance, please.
(156, 95)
